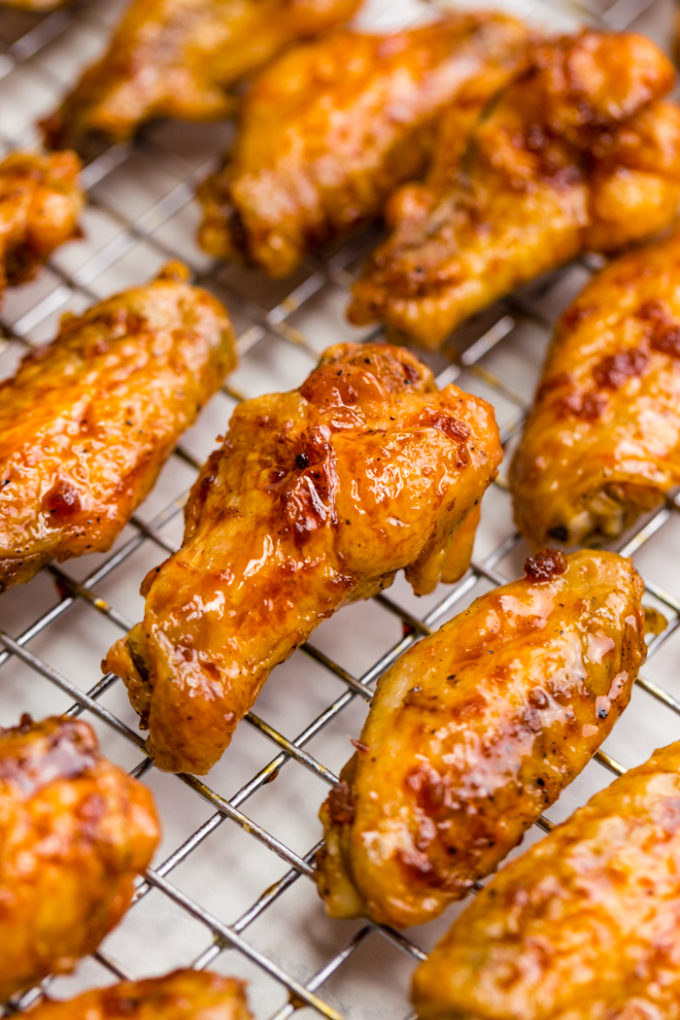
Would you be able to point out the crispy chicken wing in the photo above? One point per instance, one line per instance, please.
(332, 127)
(602, 442)
(40, 204)
(88, 420)
(316, 498)
(583, 926)
(475, 731)
(179, 58)
(75, 830)
(182, 995)
(578, 153)
(33, 5)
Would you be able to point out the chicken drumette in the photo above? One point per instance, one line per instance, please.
(602, 442)
(88, 421)
(580, 927)
(182, 995)
(75, 831)
(180, 58)
(40, 203)
(330, 129)
(475, 731)
(579, 153)
(315, 499)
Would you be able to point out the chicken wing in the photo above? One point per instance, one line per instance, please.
(180, 58)
(33, 5)
(602, 442)
(315, 499)
(578, 154)
(580, 927)
(75, 831)
(331, 128)
(40, 204)
(182, 995)
(88, 421)
(475, 731)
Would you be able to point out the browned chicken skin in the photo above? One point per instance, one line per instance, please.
(179, 58)
(75, 831)
(316, 498)
(40, 204)
(33, 5)
(329, 129)
(475, 731)
(88, 420)
(602, 442)
(583, 926)
(578, 154)
(182, 995)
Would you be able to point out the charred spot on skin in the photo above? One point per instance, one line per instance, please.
(587, 405)
(663, 330)
(545, 565)
(428, 788)
(302, 461)
(614, 370)
(62, 501)
(341, 804)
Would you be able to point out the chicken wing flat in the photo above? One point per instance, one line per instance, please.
(33, 5)
(330, 129)
(315, 499)
(179, 58)
(75, 831)
(182, 995)
(579, 153)
(88, 420)
(580, 927)
(40, 204)
(475, 731)
(602, 442)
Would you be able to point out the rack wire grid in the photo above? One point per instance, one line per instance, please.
(231, 884)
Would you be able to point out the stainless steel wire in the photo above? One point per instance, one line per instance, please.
(268, 318)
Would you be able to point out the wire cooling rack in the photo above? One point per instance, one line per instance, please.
(231, 884)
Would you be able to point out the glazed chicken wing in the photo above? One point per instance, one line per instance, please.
(602, 442)
(332, 127)
(88, 421)
(75, 831)
(315, 499)
(40, 204)
(180, 58)
(182, 995)
(579, 153)
(33, 5)
(475, 731)
(583, 926)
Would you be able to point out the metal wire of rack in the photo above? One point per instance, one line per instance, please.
(230, 888)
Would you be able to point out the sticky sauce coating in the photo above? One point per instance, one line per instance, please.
(329, 129)
(87, 422)
(602, 441)
(579, 152)
(315, 498)
(75, 831)
(475, 731)
(182, 995)
(581, 926)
